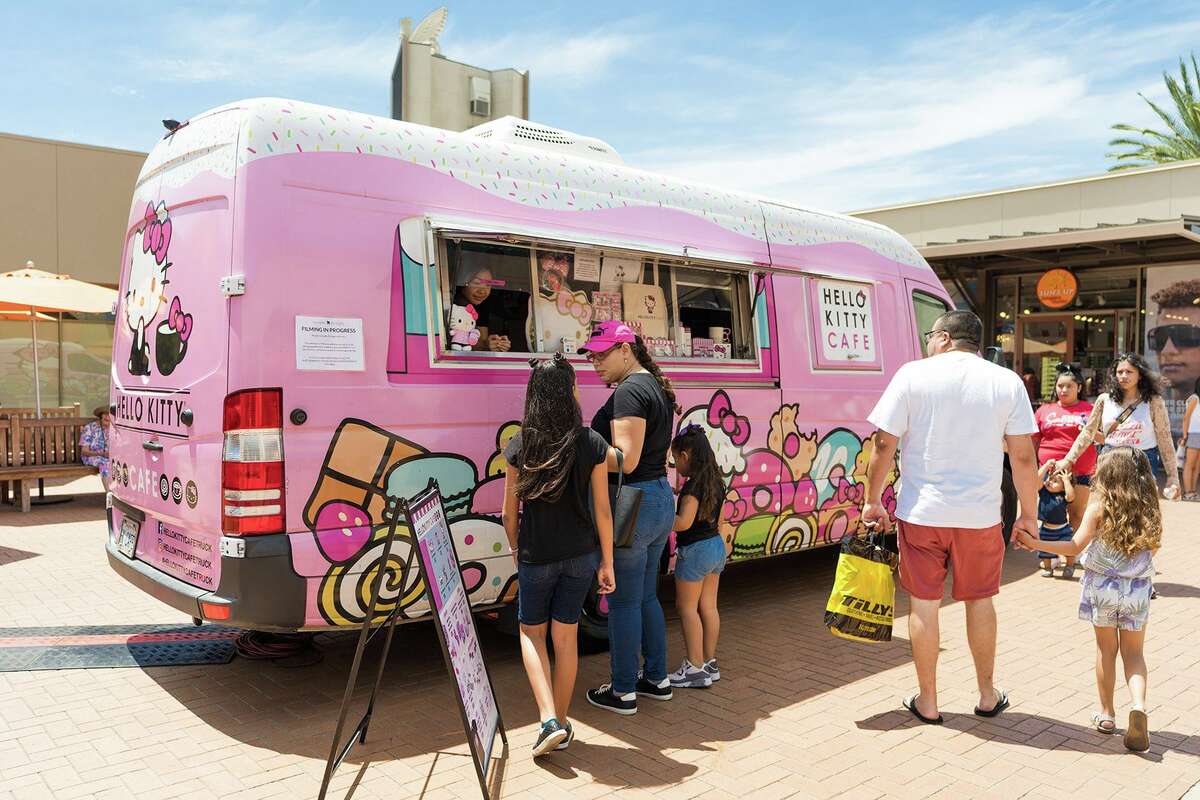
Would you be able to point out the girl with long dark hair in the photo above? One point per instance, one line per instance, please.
(554, 465)
(699, 557)
(638, 419)
(1131, 412)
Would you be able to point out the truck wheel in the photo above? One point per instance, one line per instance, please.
(593, 623)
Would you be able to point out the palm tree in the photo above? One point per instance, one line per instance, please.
(1181, 142)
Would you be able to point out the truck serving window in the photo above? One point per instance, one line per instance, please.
(543, 297)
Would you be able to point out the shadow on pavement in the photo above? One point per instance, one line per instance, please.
(775, 653)
(1033, 730)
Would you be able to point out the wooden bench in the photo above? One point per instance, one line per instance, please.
(36, 449)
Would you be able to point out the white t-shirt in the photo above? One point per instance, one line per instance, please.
(951, 413)
(1136, 431)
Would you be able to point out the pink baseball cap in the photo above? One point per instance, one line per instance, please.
(607, 334)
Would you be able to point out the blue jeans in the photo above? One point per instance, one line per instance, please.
(636, 625)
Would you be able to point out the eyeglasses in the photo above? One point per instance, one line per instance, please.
(1181, 335)
(930, 334)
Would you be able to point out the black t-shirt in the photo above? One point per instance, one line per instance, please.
(639, 395)
(701, 528)
(556, 531)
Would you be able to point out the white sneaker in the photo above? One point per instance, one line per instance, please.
(689, 676)
(711, 668)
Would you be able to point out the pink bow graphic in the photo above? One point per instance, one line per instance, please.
(178, 321)
(720, 415)
(156, 237)
(571, 307)
(472, 312)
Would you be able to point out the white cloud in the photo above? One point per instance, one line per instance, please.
(553, 58)
(996, 102)
(247, 46)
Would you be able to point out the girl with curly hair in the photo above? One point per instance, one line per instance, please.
(1121, 530)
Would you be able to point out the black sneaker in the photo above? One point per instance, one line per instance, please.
(551, 736)
(606, 698)
(657, 691)
(565, 743)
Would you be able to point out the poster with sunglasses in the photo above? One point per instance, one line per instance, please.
(1172, 343)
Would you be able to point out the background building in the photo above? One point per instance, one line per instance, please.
(65, 207)
(430, 89)
(1077, 270)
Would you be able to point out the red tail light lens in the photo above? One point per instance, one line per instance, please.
(252, 486)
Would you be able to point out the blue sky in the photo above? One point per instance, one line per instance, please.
(836, 105)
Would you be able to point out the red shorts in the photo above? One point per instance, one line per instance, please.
(976, 556)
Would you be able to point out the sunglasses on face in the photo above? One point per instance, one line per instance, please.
(930, 334)
(1181, 335)
(594, 357)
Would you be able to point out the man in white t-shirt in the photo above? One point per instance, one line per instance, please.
(951, 415)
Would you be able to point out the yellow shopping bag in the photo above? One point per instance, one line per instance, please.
(861, 605)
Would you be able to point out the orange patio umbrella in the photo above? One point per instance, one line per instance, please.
(30, 291)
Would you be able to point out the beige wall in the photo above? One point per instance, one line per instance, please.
(64, 206)
(1162, 192)
(436, 90)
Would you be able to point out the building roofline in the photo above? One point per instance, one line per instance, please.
(1103, 176)
(65, 143)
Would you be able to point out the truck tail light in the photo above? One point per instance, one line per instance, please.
(252, 488)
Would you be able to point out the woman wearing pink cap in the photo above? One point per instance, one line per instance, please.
(638, 419)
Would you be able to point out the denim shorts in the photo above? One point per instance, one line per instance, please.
(555, 590)
(693, 562)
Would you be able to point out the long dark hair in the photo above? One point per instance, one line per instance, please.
(1148, 382)
(647, 361)
(702, 469)
(548, 432)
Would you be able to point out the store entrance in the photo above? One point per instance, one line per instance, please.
(1090, 341)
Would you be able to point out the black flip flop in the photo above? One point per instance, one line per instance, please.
(1001, 704)
(910, 703)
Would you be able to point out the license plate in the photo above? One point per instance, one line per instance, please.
(127, 540)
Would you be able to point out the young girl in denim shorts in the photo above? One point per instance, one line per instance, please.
(555, 465)
(1121, 530)
(699, 557)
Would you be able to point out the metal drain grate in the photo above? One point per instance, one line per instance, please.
(105, 646)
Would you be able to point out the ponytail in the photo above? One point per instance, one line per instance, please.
(647, 362)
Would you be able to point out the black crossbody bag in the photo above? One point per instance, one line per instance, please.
(625, 502)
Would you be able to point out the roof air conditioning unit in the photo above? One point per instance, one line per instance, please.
(481, 97)
(512, 130)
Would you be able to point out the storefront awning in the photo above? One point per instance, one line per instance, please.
(1141, 243)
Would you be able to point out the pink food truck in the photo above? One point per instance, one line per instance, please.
(321, 311)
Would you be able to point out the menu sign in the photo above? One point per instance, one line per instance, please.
(456, 626)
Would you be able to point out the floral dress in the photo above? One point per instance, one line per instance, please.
(95, 438)
(1115, 590)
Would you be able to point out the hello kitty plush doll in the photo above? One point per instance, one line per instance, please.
(463, 334)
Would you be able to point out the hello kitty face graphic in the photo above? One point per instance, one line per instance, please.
(144, 294)
(651, 303)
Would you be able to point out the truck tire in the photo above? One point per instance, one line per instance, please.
(593, 623)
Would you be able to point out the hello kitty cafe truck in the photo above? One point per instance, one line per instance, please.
(284, 369)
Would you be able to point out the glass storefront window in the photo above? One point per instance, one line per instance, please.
(77, 374)
(1004, 327)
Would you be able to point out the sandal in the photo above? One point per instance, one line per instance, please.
(910, 703)
(1104, 722)
(1137, 734)
(994, 711)
(1068, 572)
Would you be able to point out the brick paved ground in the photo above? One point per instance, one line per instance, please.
(799, 714)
